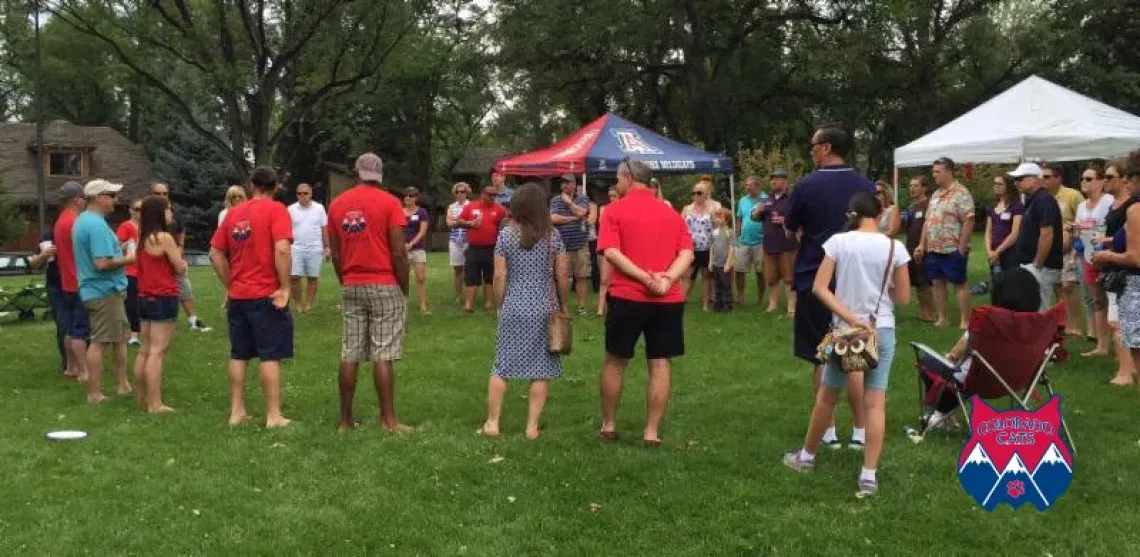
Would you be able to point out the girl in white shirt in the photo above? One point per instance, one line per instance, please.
(857, 260)
(1089, 224)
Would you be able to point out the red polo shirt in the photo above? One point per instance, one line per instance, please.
(361, 219)
(650, 234)
(65, 252)
(247, 237)
(487, 233)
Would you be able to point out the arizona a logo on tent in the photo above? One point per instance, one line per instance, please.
(631, 142)
(1015, 456)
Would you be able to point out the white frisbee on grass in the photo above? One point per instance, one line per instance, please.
(66, 435)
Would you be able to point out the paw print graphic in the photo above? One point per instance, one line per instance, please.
(1015, 488)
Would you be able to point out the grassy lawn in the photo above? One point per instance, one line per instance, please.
(187, 484)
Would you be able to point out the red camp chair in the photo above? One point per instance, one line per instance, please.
(1010, 352)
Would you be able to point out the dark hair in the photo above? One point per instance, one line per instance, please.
(1132, 164)
(152, 217)
(264, 179)
(1009, 191)
(1016, 290)
(1118, 164)
(1054, 168)
(531, 214)
(944, 162)
(922, 181)
(863, 205)
(411, 191)
(836, 136)
(1097, 168)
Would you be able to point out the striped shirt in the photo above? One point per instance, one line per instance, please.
(457, 235)
(574, 234)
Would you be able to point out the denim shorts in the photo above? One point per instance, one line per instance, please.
(158, 308)
(874, 379)
(73, 317)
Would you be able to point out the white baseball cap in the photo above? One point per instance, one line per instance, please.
(98, 187)
(1026, 169)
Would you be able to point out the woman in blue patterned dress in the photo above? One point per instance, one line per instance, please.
(698, 217)
(531, 281)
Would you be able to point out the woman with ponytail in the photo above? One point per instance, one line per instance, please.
(870, 274)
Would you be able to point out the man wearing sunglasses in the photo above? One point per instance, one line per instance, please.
(100, 266)
(1068, 201)
(1038, 247)
(310, 246)
(185, 289)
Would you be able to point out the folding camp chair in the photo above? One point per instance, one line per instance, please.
(1010, 353)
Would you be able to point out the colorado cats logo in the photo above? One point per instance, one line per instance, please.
(353, 222)
(1015, 456)
(241, 231)
(631, 142)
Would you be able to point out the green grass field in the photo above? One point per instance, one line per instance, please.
(187, 484)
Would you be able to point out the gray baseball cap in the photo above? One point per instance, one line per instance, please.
(70, 190)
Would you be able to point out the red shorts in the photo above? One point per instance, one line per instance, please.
(1090, 273)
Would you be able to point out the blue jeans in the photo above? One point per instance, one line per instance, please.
(873, 379)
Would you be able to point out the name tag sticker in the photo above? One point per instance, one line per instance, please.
(415, 218)
(918, 214)
(1005, 216)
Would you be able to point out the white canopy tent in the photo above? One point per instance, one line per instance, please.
(1033, 120)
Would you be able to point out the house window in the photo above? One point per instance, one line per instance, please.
(65, 163)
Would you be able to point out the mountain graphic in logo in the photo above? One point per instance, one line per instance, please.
(353, 223)
(1035, 463)
(241, 231)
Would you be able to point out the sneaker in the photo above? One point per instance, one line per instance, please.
(200, 326)
(832, 444)
(854, 445)
(867, 488)
(134, 342)
(792, 460)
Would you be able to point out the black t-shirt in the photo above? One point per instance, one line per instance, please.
(1116, 216)
(176, 225)
(1041, 210)
(915, 219)
(51, 271)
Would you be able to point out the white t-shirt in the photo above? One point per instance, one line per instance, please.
(222, 215)
(1089, 221)
(307, 224)
(860, 258)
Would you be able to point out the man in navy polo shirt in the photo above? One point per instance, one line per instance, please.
(1039, 241)
(817, 210)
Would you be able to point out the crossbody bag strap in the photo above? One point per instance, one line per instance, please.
(886, 276)
(554, 272)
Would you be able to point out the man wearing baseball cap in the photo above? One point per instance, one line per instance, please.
(569, 211)
(1038, 247)
(99, 265)
(70, 315)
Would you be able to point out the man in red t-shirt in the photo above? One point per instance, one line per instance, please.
(128, 235)
(366, 238)
(252, 254)
(72, 318)
(482, 219)
(649, 248)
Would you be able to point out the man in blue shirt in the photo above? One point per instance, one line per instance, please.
(99, 262)
(503, 194)
(817, 210)
(569, 211)
(750, 242)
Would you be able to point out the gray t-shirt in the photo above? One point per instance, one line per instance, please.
(719, 243)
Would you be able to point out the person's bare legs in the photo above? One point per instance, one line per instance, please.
(706, 289)
(188, 307)
(496, 391)
(295, 291)
(657, 395)
(311, 295)
(790, 293)
(77, 350)
(420, 270)
(582, 290)
(270, 373)
(140, 364)
(1073, 307)
(926, 303)
(157, 342)
(875, 411)
(612, 370)
(458, 271)
(236, 372)
(855, 400)
(119, 360)
(687, 284)
(1125, 369)
(536, 402)
(740, 283)
(488, 297)
(940, 301)
(469, 300)
(95, 373)
(822, 417)
(1099, 326)
(384, 376)
(963, 295)
(773, 284)
(347, 382)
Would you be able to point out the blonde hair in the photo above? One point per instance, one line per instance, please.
(231, 193)
(888, 193)
(725, 215)
(455, 187)
(705, 187)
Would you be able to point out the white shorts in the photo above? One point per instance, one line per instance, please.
(456, 254)
(1047, 280)
(417, 256)
(1113, 309)
(307, 262)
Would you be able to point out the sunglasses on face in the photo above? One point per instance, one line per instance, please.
(411, 195)
(1110, 177)
(464, 192)
(304, 193)
(1047, 176)
(698, 192)
(1088, 178)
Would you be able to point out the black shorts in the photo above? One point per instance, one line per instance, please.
(479, 267)
(813, 320)
(73, 316)
(700, 263)
(917, 274)
(158, 308)
(662, 324)
(259, 330)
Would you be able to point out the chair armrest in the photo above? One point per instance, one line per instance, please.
(924, 350)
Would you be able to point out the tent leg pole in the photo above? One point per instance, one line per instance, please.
(896, 185)
(732, 200)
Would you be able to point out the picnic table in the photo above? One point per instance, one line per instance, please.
(24, 301)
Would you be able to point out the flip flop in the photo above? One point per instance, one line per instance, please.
(652, 443)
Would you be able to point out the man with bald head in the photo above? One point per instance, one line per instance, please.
(310, 245)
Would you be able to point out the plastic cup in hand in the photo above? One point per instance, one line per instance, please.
(44, 245)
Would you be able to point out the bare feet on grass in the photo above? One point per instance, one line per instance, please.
(345, 427)
(160, 409)
(238, 419)
(396, 427)
(533, 433)
(489, 430)
(96, 399)
(125, 389)
(277, 421)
